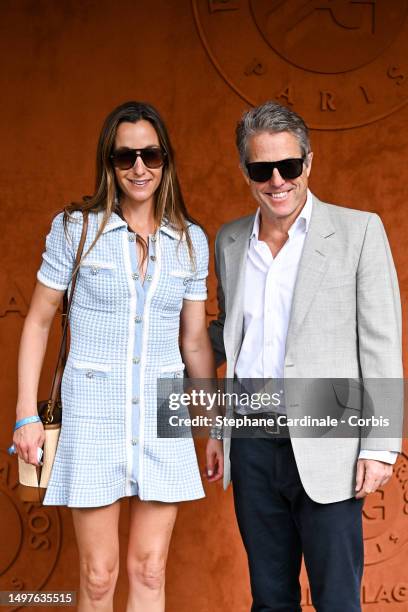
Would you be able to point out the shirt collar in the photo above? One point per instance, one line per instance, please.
(303, 217)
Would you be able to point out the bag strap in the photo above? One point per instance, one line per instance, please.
(66, 308)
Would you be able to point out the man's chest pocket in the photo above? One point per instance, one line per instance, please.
(98, 286)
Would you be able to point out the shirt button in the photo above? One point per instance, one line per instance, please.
(135, 441)
(153, 257)
(131, 237)
(138, 319)
(89, 374)
(135, 400)
(94, 270)
(149, 277)
(186, 281)
(135, 276)
(136, 359)
(153, 238)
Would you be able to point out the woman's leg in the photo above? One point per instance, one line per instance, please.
(151, 526)
(98, 543)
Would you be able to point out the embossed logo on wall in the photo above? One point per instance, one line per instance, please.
(339, 63)
(386, 517)
(30, 536)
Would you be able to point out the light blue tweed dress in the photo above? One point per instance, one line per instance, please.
(124, 335)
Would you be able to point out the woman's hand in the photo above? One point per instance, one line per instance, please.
(214, 460)
(27, 439)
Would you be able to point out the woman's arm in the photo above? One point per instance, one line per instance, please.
(33, 344)
(199, 360)
(195, 344)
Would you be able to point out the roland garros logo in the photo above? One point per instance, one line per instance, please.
(339, 63)
(386, 517)
(30, 535)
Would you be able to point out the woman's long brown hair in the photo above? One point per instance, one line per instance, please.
(169, 203)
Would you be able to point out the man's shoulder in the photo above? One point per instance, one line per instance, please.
(234, 227)
(343, 217)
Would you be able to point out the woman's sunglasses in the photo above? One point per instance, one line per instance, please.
(260, 172)
(152, 157)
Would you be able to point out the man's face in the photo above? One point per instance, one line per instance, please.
(278, 198)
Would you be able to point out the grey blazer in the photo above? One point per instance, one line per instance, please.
(345, 322)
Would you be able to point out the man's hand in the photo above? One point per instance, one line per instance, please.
(371, 475)
(214, 460)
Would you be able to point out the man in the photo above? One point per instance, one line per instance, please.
(306, 290)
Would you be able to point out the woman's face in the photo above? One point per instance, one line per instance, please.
(139, 183)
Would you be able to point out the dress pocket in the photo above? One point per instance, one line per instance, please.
(183, 274)
(170, 380)
(92, 386)
(172, 288)
(97, 286)
(172, 371)
(170, 386)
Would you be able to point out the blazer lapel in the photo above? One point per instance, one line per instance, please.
(312, 266)
(235, 254)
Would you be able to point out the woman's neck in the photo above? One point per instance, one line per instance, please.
(139, 217)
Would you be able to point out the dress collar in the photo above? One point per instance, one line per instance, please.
(115, 221)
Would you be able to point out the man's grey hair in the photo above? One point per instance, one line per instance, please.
(270, 117)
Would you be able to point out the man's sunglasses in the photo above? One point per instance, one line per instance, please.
(260, 172)
(152, 157)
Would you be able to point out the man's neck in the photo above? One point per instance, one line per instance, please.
(271, 227)
(275, 230)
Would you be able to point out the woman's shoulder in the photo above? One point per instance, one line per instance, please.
(70, 223)
(197, 234)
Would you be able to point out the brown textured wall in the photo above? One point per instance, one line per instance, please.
(65, 65)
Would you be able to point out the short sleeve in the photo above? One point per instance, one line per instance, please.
(197, 287)
(58, 259)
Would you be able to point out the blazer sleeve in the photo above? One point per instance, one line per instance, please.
(379, 338)
(216, 327)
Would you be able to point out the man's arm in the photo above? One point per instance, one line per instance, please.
(216, 327)
(379, 338)
(378, 306)
(380, 352)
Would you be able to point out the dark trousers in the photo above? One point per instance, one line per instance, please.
(278, 522)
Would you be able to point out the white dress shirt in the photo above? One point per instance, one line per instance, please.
(269, 288)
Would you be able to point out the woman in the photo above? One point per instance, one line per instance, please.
(141, 279)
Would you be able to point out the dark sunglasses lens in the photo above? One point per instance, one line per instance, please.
(124, 159)
(290, 168)
(260, 172)
(152, 158)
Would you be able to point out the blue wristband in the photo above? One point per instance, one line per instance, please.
(26, 421)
